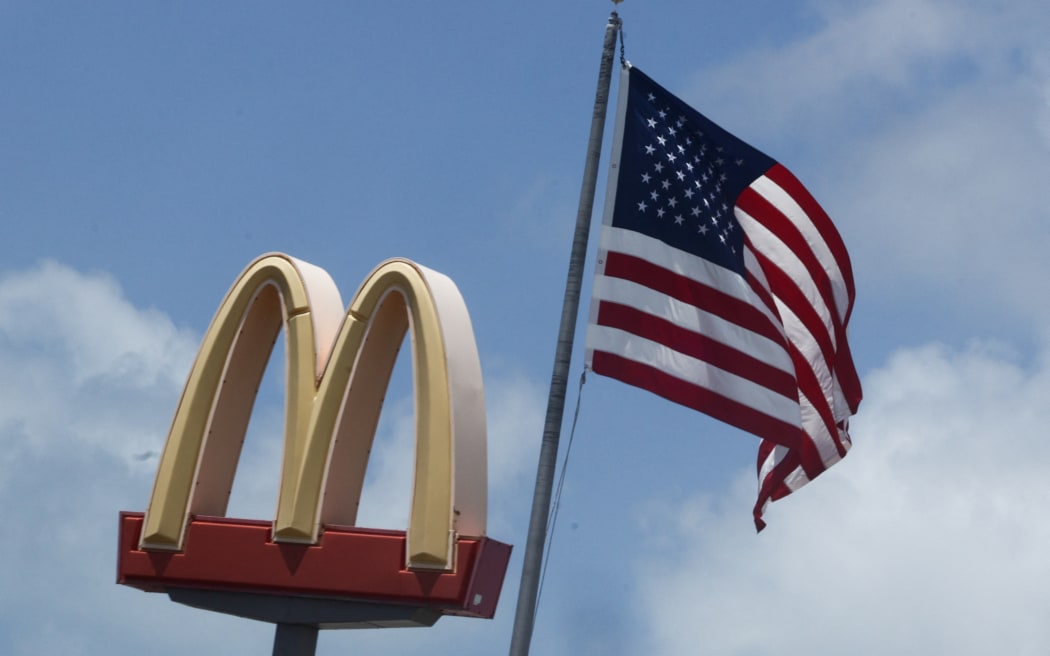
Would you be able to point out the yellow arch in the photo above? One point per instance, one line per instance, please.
(337, 375)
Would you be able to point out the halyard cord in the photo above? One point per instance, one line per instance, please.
(623, 52)
(552, 519)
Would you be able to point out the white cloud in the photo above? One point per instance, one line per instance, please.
(89, 389)
(879, 54)
(84, 366)
(929, 538)
(948, 198)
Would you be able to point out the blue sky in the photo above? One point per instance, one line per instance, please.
(148, 152)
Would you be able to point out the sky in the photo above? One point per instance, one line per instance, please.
(150, 151)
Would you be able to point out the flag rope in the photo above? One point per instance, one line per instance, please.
(552, 520)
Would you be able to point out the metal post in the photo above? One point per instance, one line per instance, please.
(541, 501)
(294, 640)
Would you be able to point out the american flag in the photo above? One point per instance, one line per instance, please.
(722, 285)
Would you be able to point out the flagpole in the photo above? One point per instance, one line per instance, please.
(525, 615)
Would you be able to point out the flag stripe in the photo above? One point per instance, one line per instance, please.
(695, 372)
(694, 317)
(788, 296)
(700, 346)
(782, 243)
(703, 399)
(695, 293)
(823, 225)
(794, 225)
(689, 279)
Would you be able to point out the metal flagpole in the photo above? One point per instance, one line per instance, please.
(541, 500)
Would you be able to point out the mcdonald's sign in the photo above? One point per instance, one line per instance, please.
(338, 367)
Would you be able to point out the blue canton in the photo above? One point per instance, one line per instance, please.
(680, 175)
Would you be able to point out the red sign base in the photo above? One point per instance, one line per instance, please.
(354, 577)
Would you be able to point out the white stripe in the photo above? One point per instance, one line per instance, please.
(693, 319)
(682, 263)
(812, 423)
(817, 432)
(692, 370)
(803, 340)
(790, 208)
(770, 245)
(794, 479)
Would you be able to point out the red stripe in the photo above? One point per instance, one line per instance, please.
(772, 486)
(846, 373)
(758, 288)
(822, 222)
(767, 214)
(693, 292)
(810, 387)
(696, 397)
(785, 289)
(696, 345)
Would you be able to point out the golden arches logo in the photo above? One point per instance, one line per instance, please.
(338, 367)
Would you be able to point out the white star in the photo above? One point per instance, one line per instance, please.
(703, 229)
(662, 114)
(660, 213)
(651, 122)
(672, 131)
(688, 193)
(645, 178)
(642, 206)
(671, 157)
(659, 167)
(695, 211)
(649, 150)
(672, 203)
(665, 184)
(678, 220)
(651, 97)
(662, 141)
(654, 195)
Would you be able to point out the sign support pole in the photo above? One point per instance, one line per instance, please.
(294, 640)
(533, 560)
